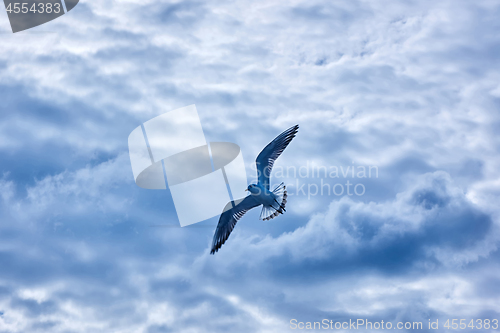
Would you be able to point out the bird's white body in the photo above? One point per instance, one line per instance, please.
(262, 195)
(273, 203)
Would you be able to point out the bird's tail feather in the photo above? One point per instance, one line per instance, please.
(270, 212)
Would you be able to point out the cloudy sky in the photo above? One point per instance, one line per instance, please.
(411, 87)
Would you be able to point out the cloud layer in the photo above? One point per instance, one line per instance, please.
(410, 87)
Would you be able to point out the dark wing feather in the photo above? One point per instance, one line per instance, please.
(271, 152)
(228, 220)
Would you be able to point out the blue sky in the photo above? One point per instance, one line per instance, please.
(411, 87)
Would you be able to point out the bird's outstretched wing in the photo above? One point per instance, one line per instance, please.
(228, 220)
(271, 152)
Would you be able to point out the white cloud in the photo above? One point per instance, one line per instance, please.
(7, 189)
(409, 87)
(433, 214)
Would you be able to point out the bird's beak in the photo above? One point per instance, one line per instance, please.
(246, 189)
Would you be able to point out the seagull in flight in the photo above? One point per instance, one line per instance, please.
(273, 202)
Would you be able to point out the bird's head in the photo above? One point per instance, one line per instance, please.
(253, 188)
